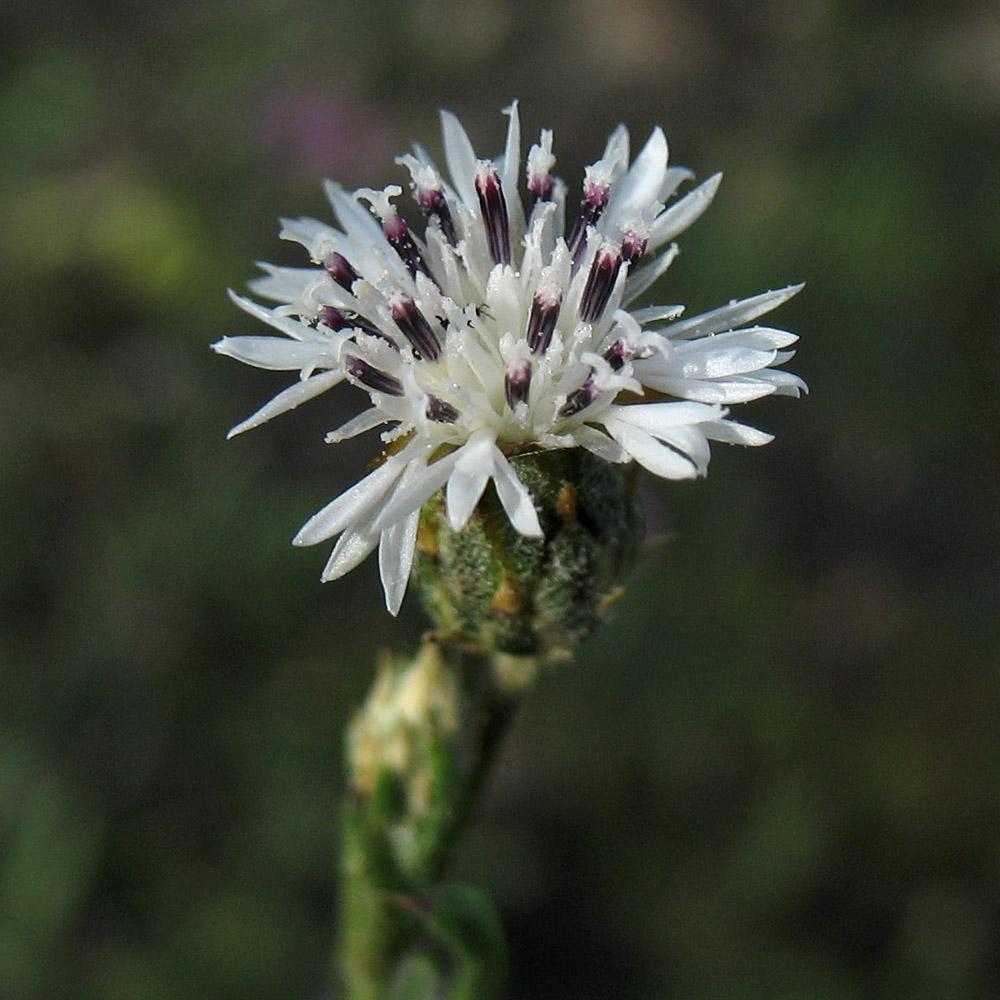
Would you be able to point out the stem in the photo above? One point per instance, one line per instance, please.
(418, 752)
(491, 707)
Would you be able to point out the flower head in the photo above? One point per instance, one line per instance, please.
(505, 328)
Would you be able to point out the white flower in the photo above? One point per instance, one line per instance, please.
(502, 330)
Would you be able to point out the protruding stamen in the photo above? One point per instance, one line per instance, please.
(592, 205)
(600, 282)
(517, 382)
(540, 187)
(433, 204)
(372, 377)
(633, 246)
(494, 209)
(414, 326)
(338, 320)
(397, 232)
(580, 398)
(339, 268)
(429, 192)
(441, 411)
(539, 167)
(332, 317)
(542, 320)
(617, 354)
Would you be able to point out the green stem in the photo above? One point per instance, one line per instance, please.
(418, 752)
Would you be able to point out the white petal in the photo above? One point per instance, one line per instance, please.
(358, 222)
(515, 497)
(598, 444)
(427, 480)
(283, 284)
(730, 432)
(785, 383)
(295, 395)
(640, 188)
(351, 505)
(291, 327)
(740, 389)
(460, 156)
(678, 217)
(472, 472)
(710, 359)
(511, 156)
(761, 336)
(655, 418)
(615, 156)
(317, 237)
(652, 314)
(690, 440)
(395, 559)
(351, 549)
(650, 453)
(672, 180)
(729, 316)
(276, 353)
(366, 420)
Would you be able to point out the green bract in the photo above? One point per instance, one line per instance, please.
(492, 589)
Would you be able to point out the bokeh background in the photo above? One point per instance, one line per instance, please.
(776, 771)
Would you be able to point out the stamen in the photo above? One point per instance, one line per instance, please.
(494, 209)
(600, 282)
(633, 246)
(429, 193)
(372, 377)
(592, 205)
(542, 320)
(540, 187)
(434, 206)
(414, 327)
(332, 317)
(337, 320)
(437, 409)
(397, 232)
(580, 398)
(617, 354)
(339, 268)
(539, 169)
(517, 382)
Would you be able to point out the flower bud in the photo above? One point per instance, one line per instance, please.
(491, 589)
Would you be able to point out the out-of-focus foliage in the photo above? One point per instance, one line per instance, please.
(775, 772)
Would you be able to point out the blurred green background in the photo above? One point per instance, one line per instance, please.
(775, 773)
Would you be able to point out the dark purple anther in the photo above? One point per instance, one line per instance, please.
(434, 206)
(397, 232)
(633, 246)
(600, 283)
(339, 268)
(517, 383)
(542, 321)
(540, 187)
(415, 327)
(592, 205)
(539, 166)
(337, 320)
(373, 377)
(332, 317)
(494, 209)
(617, 354)
(580, 399)
(439, 410)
